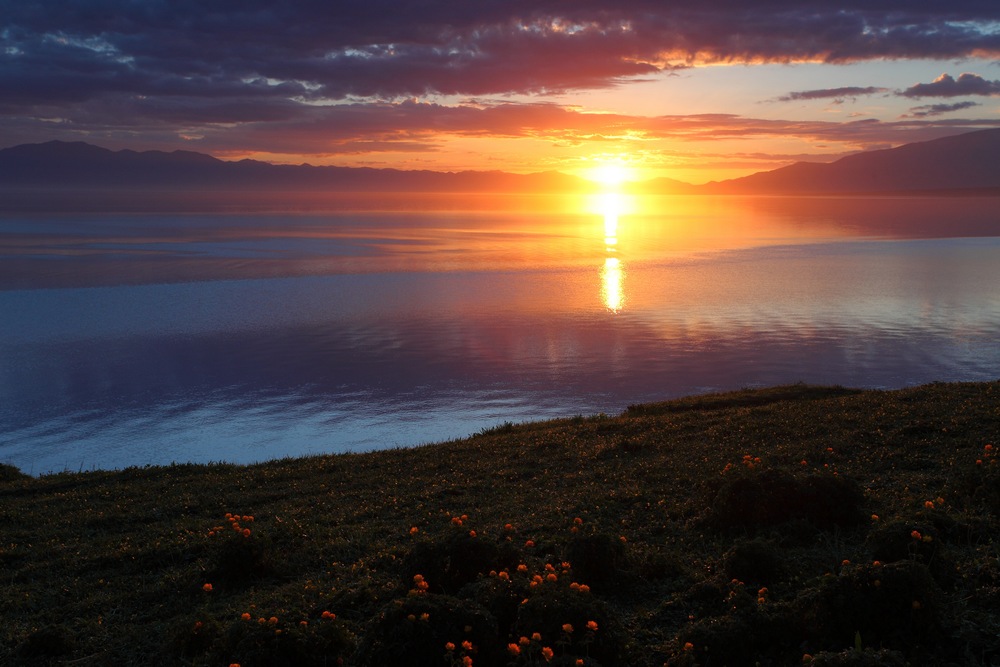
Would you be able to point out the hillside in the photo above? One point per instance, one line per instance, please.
(962, 162)
(774, 527)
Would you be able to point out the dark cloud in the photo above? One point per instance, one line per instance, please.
(321, 49)
(838, 94)
(928, 110)
(947, 86)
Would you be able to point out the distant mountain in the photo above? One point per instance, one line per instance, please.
(59, 165)
(968, 161)
(961, 163)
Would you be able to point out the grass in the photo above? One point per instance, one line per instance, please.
(772, 527)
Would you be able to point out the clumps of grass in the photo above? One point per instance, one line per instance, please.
(759, 499)
(9, 473)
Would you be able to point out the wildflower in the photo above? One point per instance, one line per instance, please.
(245, 616)
(579, 662)
(466, 661)
(536, 636)
(939, 500)
(234, 664)
(449, 646)
(246, 532)
(929, 504)
(622, 539)
(578, 521)
(875, 517)
(549, 567)
(273, 620)
(567, 628)
(522, 568)
(514, 649)
(507, 527)
(414, 530)
(592, 626)
(455, 520)
(529, 543)
(524, 641)
(472, 533)
(806, 658)
(411, 617)
(547, 653)
(916, 535)
(551, 576)
(688, 646)
(207, 588)
(304, 624)
(425, 617)
(328, 615)
(503, 575)
(467, 645)
(584, 588)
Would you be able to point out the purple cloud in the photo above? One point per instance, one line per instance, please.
(947, 86)
(838, 94)
(928, 110)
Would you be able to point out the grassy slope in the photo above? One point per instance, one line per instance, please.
(109, 567)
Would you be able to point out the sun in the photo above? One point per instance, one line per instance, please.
(610, 175)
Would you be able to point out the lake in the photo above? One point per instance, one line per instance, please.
(379, 322)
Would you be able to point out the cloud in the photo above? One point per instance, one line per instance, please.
(928, 110)
(947, 86)
(258, 49)
(838, 94)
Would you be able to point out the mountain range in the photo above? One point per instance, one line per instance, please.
(967, 162)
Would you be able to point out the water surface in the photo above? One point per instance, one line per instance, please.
(143, 339)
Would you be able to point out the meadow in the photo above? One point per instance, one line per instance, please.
(796, 524)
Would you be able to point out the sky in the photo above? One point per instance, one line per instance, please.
(696, 90)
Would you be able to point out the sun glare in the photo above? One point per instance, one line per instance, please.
(610, 175)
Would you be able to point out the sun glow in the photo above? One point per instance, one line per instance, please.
(610, 175)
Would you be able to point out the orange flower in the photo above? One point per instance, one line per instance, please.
(414, 530)
(522, 568)
(273, 620)
(529, 543)
(579, 662)
(524, 641)
(584, 588)
(328, 615)
(467, 645)
(245, 616)
(455, 520)
(246, 532)
(466, 661)
(207, 588)
(567, 628)
(547, 653)
(536, 636)
(551, 577)
(472, 533)
(578, 521)
(508, 527)
(514, 649)
(449, 646)
(503, 575)
(688, 646)
(425, 617)
(592, 626)
(929, 504)
(916, 535)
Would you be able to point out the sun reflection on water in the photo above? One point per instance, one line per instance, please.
(611, 206)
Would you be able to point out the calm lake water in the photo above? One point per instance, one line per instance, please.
(133, 339)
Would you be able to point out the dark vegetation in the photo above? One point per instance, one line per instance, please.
(771, 527)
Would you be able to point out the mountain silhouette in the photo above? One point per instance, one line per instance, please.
(969, 161)
(960, 163)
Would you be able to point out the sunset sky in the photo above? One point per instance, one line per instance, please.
(696, 90)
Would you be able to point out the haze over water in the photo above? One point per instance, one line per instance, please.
(149, 339)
